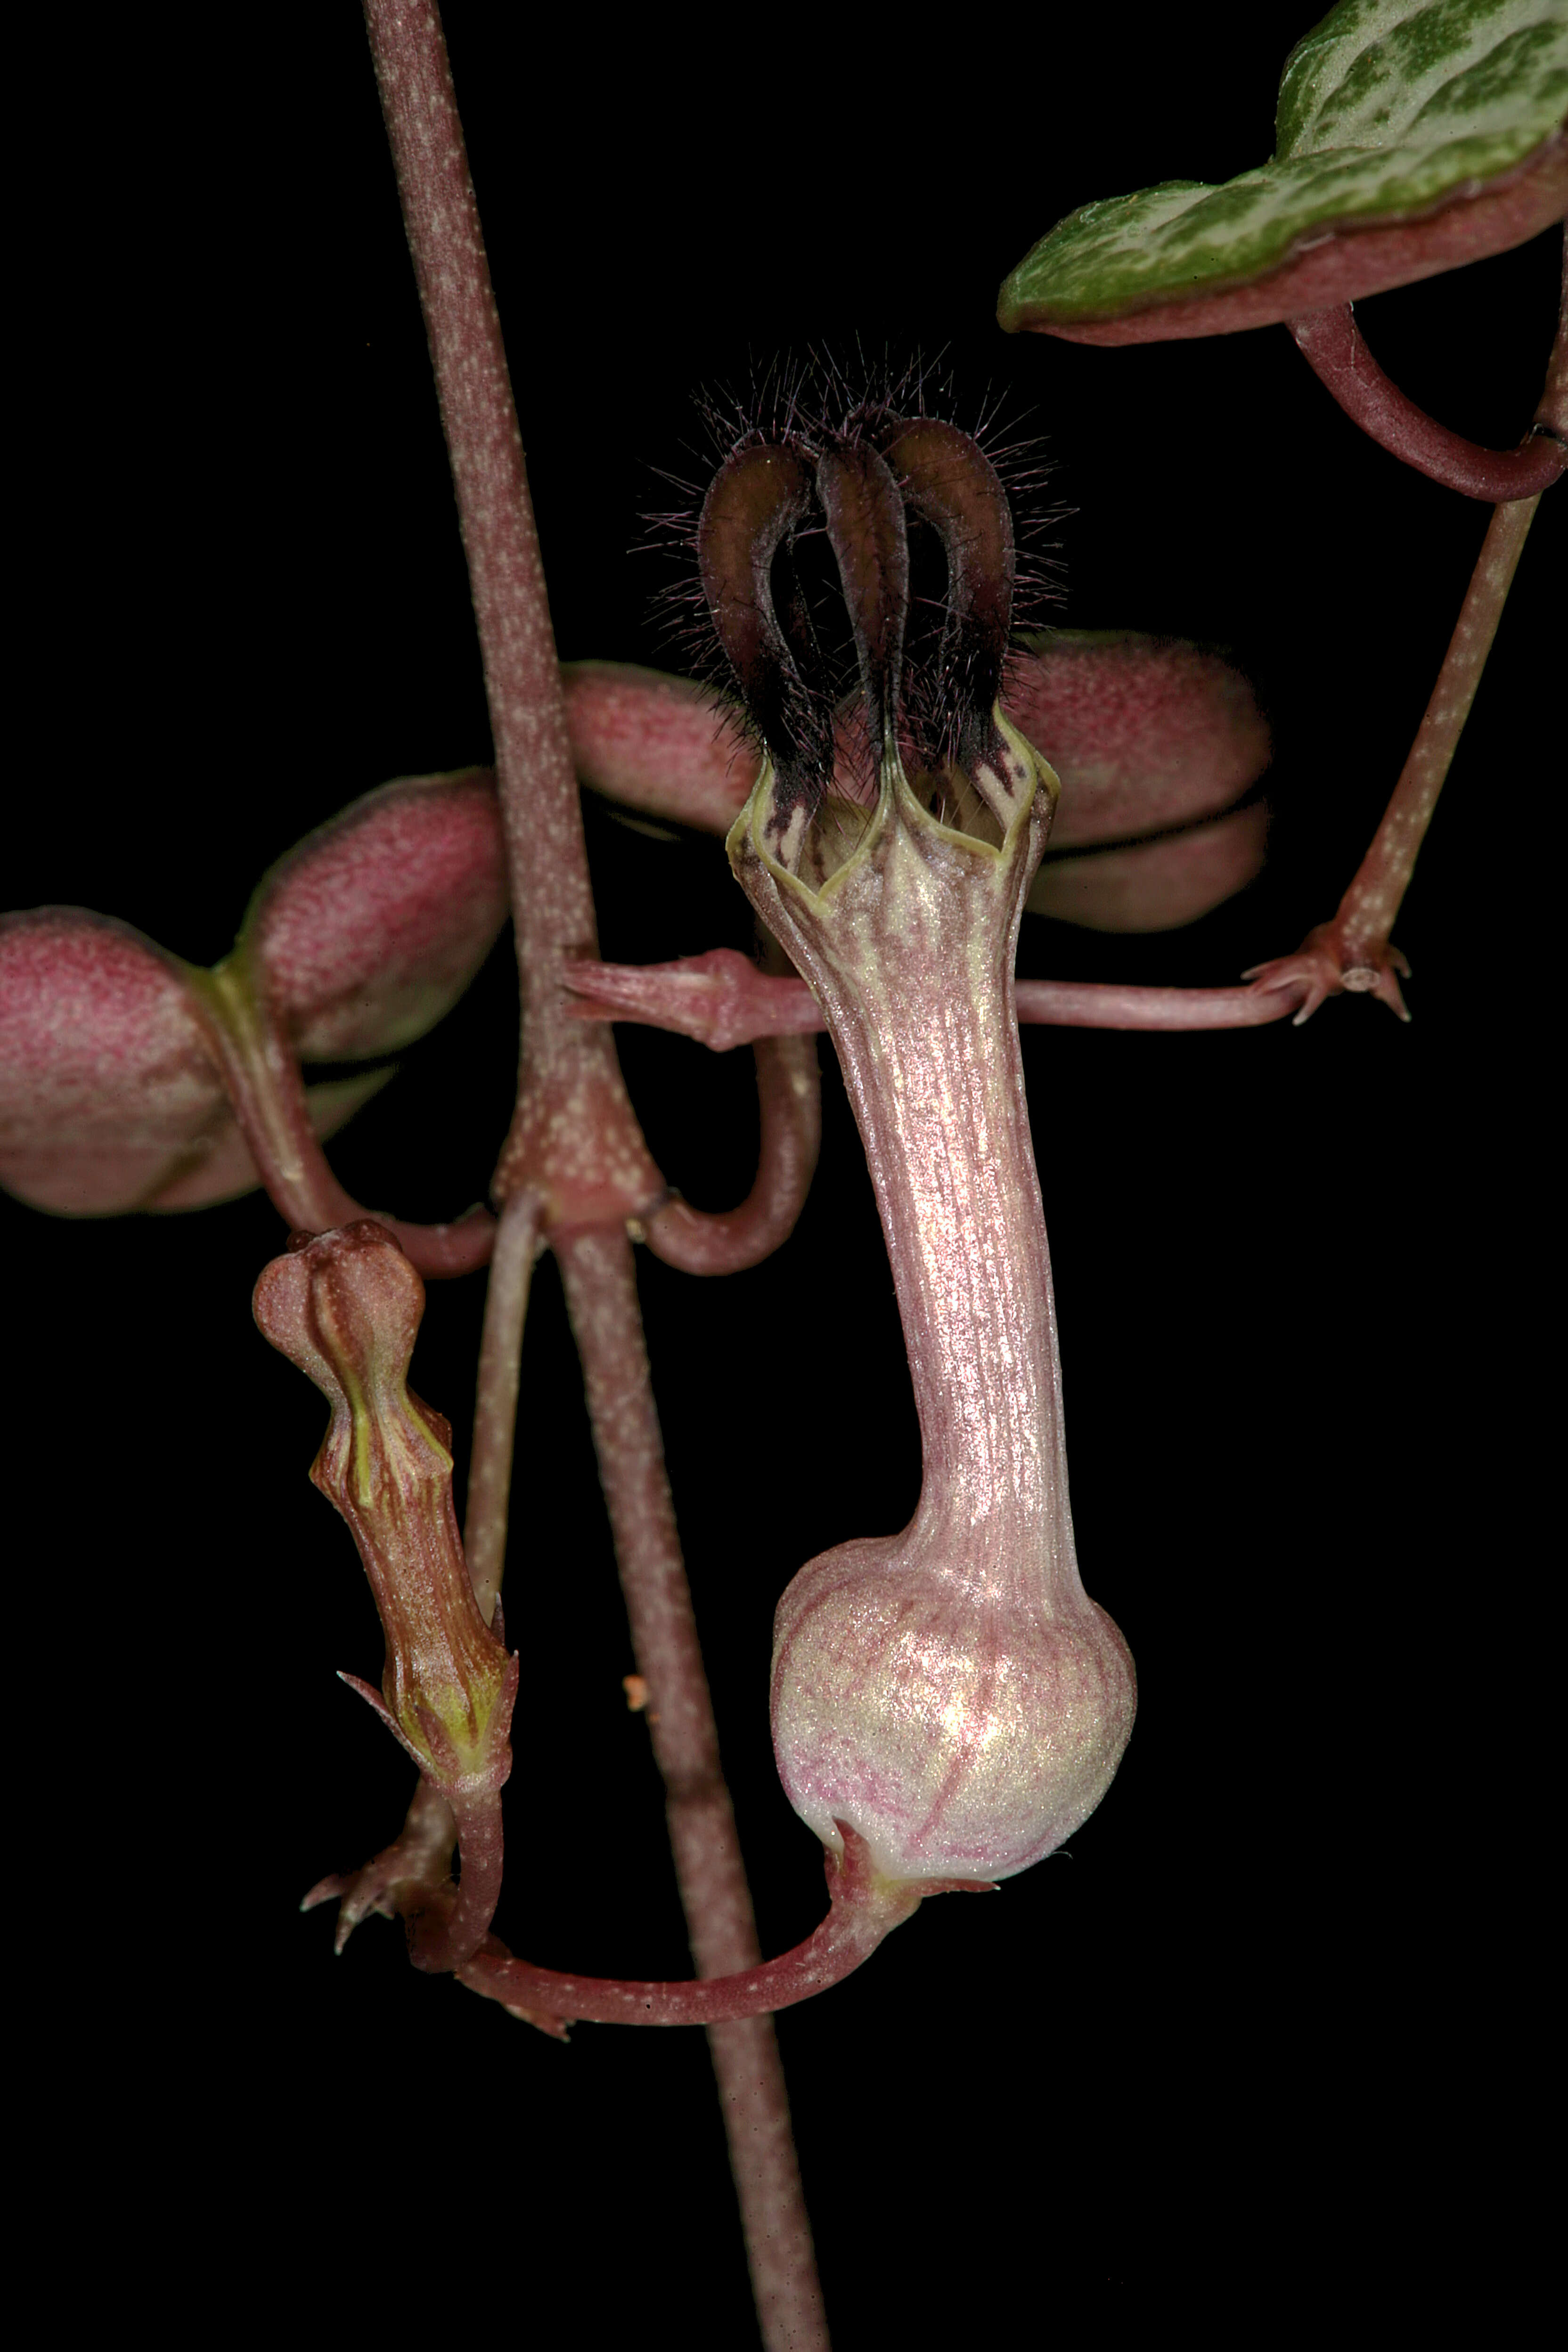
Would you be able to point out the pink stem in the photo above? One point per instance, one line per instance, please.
(789, 1097)
(573, 1139)
(1332, 345)
(573, 1136)
(442, 1936)
(1354, 951)
(268, 1097)
(599, 1279)
(721, 1000)
(862, 1913)
(1366, 912)
(495, 1411)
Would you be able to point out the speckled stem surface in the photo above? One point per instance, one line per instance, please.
(600, 1283)
(573, 1135)
(575, 1141)
(1367, 910)
(863, 1909)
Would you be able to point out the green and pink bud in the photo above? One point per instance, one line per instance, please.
(346, 1308)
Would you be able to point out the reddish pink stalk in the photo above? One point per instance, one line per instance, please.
(495, 1411)
(723, 1001)
(573, 1141)
(789, 1099)
(573, 1137)
(268, 1093)
(598, 1273)
(1334, 348)
(1353, 951)
(865, 1909)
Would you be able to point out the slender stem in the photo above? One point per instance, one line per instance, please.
(1353, 949)
(495, 1411)
(1366, 912)
(1072, 1005)
(574, 1138)
(720, 998)
(744, 1998)
(1333, 348)
(573, 1135)
(598, 1273)
(269, 1102)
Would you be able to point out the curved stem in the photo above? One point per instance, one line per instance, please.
(494, 1411)
(1353, 949)
(789, 1097)
(1333, 347)
(268, 1097)
(864, 1910)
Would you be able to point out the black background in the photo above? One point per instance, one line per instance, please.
(1266, 2018)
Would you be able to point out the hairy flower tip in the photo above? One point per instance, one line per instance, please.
(757, 501)
(920, 530)
(962, 1734)
(345, 1306)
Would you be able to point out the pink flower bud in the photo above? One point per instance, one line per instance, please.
(346, 1308)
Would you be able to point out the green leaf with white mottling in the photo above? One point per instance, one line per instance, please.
(1389, 110)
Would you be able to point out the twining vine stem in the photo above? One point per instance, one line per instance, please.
(574, 1143)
